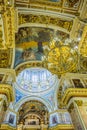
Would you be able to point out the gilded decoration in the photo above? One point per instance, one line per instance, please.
(72, 4)
(7, 127)
(3, 101)
(62, 127)
(29, 65)
(83, 50)
(71, 86)
(5, 58)
(8, 91)
(83, 43)
(32, 43)
(72, 92)
(83, 65)
(1, 33)
(53, 48)
(9, 25)
(61, 58)
(79, 102)
(69, 6)
(43, 19)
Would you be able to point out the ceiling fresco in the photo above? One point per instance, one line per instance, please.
(32, 43)
(50, 46)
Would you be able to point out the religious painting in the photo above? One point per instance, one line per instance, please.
(77, 83)
(30, 43)
(11, 119)
(54, 119)
(33, 43)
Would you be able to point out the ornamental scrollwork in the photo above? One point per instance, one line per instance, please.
(43, 19)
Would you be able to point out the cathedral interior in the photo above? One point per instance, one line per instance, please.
(43, 64)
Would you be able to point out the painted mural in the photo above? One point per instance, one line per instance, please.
(31, 43)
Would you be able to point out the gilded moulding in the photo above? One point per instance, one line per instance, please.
(8, 91)
(29, 64)
(72, 92)
(9, 27)
(57, 6)
(43, 19)
(7, 127)
(5, 58)
(62, 127)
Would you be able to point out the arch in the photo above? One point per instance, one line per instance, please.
(45, 26)
(28, 98)
(37, 64)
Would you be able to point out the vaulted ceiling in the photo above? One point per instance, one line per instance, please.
(43, 33)
(50, 34)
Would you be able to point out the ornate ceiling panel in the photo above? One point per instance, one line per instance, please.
(83, 50)
(69, 6)
(5, 58)
(83, 43)
(62, 59)
(54, 48)
(43, 19)
(46, 43)
(32, 43)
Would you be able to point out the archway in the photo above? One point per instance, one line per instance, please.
(33, 114)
